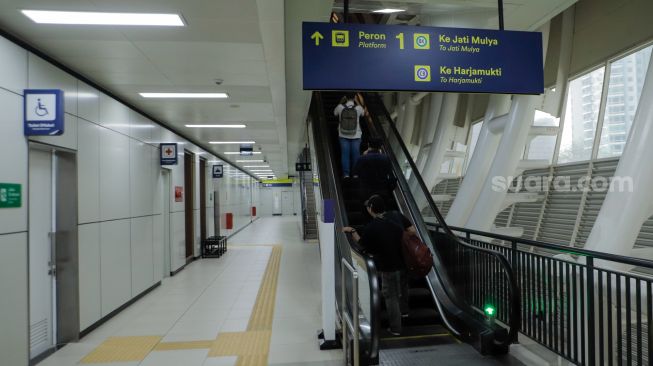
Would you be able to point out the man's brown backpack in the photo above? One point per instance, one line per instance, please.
(417, 255)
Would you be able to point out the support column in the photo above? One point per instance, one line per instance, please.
(629, 203)
(401, 110)
(504, 165)
(431, 123)
(479, 164)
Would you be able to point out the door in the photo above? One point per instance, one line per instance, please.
(165, 203)
(276, 203)
(287, 203)
(41, 255)
(203, 198)
(189, 184)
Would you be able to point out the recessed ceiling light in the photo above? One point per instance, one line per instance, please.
(232, 142)
(256, 166)
(185, 95)
(216, 126)
(250, 161)
(388, 11)
(238, 152)
(261, 171)
(100, 18)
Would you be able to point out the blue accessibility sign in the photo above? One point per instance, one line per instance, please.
(43, 112)
(411, 58)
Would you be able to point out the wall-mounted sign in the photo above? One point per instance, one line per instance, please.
(391, 57)
(179, 194)
(11, 195)
(44, 112)
(303, 167)
(218, 171)
(168, 154)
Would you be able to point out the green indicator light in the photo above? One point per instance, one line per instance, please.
(490, 311)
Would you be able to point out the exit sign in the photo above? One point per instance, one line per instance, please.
(11, 195)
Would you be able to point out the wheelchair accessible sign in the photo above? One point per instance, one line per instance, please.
(44, 112)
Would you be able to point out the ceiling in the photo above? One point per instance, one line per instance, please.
(254, 46)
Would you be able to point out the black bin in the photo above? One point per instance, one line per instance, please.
(214, 246)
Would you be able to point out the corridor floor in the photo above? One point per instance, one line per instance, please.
(257, 305)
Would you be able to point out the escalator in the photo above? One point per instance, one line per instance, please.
(440, 310)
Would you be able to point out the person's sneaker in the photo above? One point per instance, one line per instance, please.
(393, 333)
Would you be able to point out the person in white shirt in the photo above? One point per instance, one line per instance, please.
(349, 131)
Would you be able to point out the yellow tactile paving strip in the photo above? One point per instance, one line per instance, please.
(122, 349)
(173, 346)
(251, 347)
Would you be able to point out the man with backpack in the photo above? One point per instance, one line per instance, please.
(349, 131)
(382, 238)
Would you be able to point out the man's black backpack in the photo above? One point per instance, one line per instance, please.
(349, 121)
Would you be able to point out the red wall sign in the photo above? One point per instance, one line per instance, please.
(179, 194)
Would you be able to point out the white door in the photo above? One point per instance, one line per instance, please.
(165, 199)
(287, 203)
(41, 258)
(276, 202)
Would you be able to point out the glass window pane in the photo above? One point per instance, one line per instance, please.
(624, 89)
(542, 147)
(581, 116)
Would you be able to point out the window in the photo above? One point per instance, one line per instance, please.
(620, 111)
(542, 147)
(581, 117)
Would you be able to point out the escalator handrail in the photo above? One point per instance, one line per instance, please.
(342, 221)
(515, 307)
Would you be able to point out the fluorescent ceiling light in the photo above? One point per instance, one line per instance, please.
(215, 126)
(250, 161)
(238, 153)
(185, 95)
(388, 11)
(256, 166)
(101, 18)
(232, 142)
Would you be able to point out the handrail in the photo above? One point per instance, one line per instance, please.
(557, 247)
(334, 188)
(515, 307)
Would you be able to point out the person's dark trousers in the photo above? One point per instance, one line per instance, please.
(390, 288)
(403, 300)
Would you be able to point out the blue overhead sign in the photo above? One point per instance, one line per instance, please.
(44, 112)
(387, 57)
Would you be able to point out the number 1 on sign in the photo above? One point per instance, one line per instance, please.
(400, 37)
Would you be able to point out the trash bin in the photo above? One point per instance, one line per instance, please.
(214, 246)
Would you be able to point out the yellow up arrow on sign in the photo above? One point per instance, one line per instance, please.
(317, 36)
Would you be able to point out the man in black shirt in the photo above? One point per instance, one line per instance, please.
(382, 238)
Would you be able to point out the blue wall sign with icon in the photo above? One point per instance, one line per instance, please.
(168, 154)
(218, 171)
(411, 58)
(43, 112)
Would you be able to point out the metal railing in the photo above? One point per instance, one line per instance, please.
(582, 305)
(350, 324)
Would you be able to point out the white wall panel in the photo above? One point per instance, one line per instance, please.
(13, 73)
(157, 180)
(90, 307)
(140, 128)
(67, 140)
(197, 232)
(115, 264)
(88, 172)
(13, 302)
(88, 102)
(114, 115)
(13, 165)
(177, 240)
(114, 175)
(157, 247)
(142, 254)
(43, 75)
(210, 227)
(142, 189)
